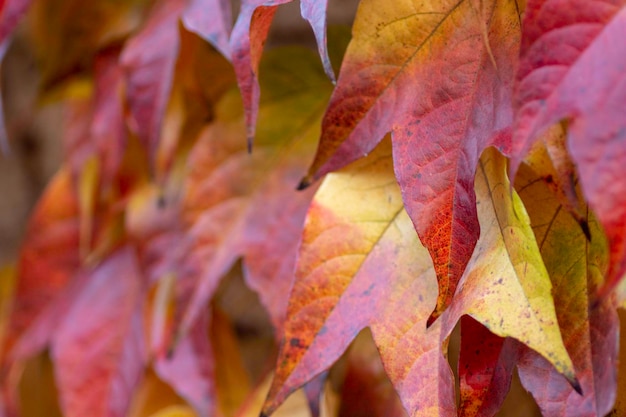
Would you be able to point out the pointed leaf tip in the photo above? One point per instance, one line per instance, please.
(304, 183)
(250, 144)
(577, 387)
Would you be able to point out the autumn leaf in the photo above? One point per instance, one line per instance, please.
(246, 46)
(438, 75)
(226, 186)
(212, 20)
(359, 249)
(46, 268)
(357, 254)
(68, 34)
(589, 326)
(98, 379)
(149, 60)
(485, 369)
(506, 286)
(366, 390)
(572, 68)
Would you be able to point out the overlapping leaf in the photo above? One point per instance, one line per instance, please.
(439, 76)
(149, 60)
(359, 249)
(573, 67)
(485, 369)
(245, 205)
(98, 379)
(589, 326)
(246, 46)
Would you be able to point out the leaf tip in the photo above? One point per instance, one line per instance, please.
(305, 183)
(432, 318)
(585, 228)
(576, 385)
(250, 140)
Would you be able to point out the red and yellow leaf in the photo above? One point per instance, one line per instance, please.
(506, 286)
(361, 265)
(573, 67)
(438, 75)
(589, 325)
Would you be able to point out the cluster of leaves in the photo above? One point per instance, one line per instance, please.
(180, 160)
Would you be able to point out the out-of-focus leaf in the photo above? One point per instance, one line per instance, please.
(359, 249)
(573, 67)
(246, 46)
(366, 390)
(98, 348)
(202, 76)
(68, 34)
(190, 368)
(211, 19)
(438, 75)
(620, 404)
(95, 126)
(11, 12)
(486, 364)
(242, 205)
(589, 326)
(233, 385)
(153, 396)
(7, 290)
(149, 59)
(37, 381)
(48, 261)
(506, 286)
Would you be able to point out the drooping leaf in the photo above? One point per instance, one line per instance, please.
(438, 75)
(485, 369)
(506, 286)
(361, 265)
(149, 60)
(95, 126)
(190, 368)
(366, 390)
(48, 261)
(246, 46)
(98, 348)
(242, 205)
(589, 326)
(573, 67)
(202, 76)
(211, 19)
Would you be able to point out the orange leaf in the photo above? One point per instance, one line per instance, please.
(438, 75)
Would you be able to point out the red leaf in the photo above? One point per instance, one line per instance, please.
(485, 369)
(440, 79)
(97, 128)
(98, 348)
(48, 261)
(149, 60)
(190, 369)
(573, 66)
